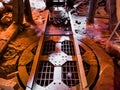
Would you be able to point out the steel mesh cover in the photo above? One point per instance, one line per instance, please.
(68, 47)
(70, 73)
(45, 73)
(48, 47)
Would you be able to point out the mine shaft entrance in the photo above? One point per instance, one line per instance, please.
(59, 62)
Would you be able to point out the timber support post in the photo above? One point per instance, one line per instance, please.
(20, 9)
(112, 13)
(91, 11)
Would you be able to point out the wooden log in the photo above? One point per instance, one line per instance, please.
(91, 11)
(118, 9)
(28, 13)
(18, 10)
(111, 7)
(15, 11)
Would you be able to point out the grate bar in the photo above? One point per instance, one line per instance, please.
(70, 74)
(49, 47)
(68, 47)
(45, 73)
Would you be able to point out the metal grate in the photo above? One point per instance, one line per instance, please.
(82, 50)
(49, 47)
(70, 74)
(86, 67)
(28, 67)
(68, 47)
(45, 73)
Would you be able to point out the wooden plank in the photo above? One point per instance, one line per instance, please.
(15, 11)
(111, 7)
(28, 13)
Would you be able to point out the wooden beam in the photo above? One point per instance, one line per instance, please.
(18, 11)
(111, 7)
(118, 9)
(28, 13)
(91, 11)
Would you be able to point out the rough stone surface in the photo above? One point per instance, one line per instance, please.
(7, 18)
(8, 67)
(8, 84)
